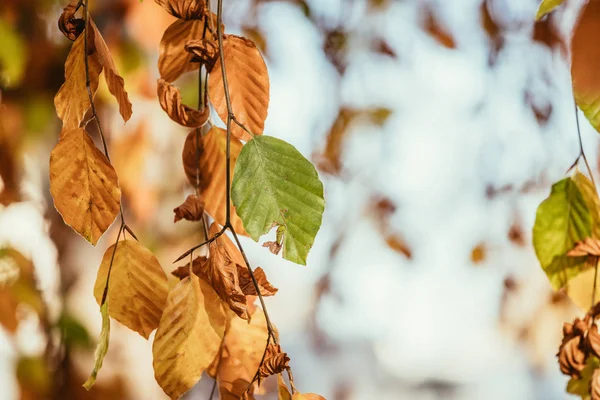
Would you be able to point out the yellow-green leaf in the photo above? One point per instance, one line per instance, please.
(137, 288)
(274, 185)
(590, 196)
(581, 387)
(102, 347)
(546, 7)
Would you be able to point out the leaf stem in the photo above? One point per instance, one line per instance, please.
(208, 241)
(581, 151)
(112, 259)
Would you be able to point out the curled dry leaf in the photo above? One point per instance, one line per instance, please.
(173, 60)
(70, 26)
(273, 247)
(137, 288)
(208, 166)
(595, 385)
(275, 361)
(185, 9)
(189, 336)
(192, 209)
(587, 247)
(170, 101)
(72, 101)
(248, 81)
(205, 51)
(84, 185)
(593, 340)
(572, 353)
(114, 81)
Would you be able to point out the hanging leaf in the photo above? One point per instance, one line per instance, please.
(184, 9)
(173, 60)
(282, 390)
(248, 81)
(590, 196)
(546, 7)
(210, 163)
(275, 361)
(585, 54)
(137, 288)
(84, 185)
(562, 220)
(273, 184)
(102, 347)
(192, 209)
(188, 337)
(114, 81)
(170, 101)
(72, 101)
(307, 396)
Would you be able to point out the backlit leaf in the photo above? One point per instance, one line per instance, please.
(188, 337)
(307, 396)
(170, 101)
(137, 288)
(211, 159)
(173, 60)
(72, 100)
(546, 7)
(102, 347)
(248, 81)
(274, 184)
(585, 62)
(84, 185)
(590, 196)
(282, 390)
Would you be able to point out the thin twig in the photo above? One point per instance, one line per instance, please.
(112, 259)
(210, 240)
(581, 151)
(242, 126)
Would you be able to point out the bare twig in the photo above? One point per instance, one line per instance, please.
(208, 241)
(581, 151)
(112, 259)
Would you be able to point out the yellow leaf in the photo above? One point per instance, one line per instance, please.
(137, 288)
(248, 81)
(72, 100)
(173, 60)
(307, 396)
(211, 172)
(102, 347)
(546, 7)
(114, 81)
(282, 390)
(84, 185)
(188, 337)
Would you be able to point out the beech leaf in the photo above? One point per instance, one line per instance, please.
(273, 184)
(72, 101)
(189, 335)
(137, 288)
(173, 60)
(84, 185)
(170, 101)
(101, 348)
(203, 50)
(210, 164)
(184, 9)
(248, 81)
(546, 7)
(275, 361)
(282, 390)
(70, 26)
(192, 209)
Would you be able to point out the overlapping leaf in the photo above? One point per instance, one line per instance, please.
(248, 82)
(189, 335)
(102, 347)
(72, 100)
(137, 288)
(209, 161)
(84, 185)
(173, 60)
(585, 62)
(184, 9)
(170, 101)
(274, 184)
(192, 209)
(546, 7)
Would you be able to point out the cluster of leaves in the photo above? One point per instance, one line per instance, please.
(566, 233)
(208, 320)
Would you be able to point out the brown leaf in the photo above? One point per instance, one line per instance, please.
(84, 185)
(170, 101)
(210, 165)
(248, 81)
(572, 353)
(192, 209)
(173, 60)
(593, 340)
(307, 396)
(185, 9)
(273, 247)
(72, 101)
(70, 26)
(114, 81)
(275, 361)
(595, 385)
(204, 51)
(247, 286)
(588, 247)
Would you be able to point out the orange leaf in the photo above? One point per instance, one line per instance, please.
(307, 396)
(275, 361)
(210, 166)
(205, 51)
(173, 60)
(184, 9)
(170, 101)
(192, 209)
(72, 101)
(248, 81)
(84, 185)
(588, 247)
(70, 26)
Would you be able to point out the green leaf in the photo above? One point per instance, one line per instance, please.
(581, 387)
(590, 196)
(274, 185)
(102, 347)
(562, 220)
(546, 7)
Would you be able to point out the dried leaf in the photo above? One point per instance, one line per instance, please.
(585, 54)
(275, 361)
(282, 390)
(72, 101)
(114, 81)
(192, 209)
(205, 51)
(173, 60)
(580, 386)
(247, 286)
(84, 185)
(595, 385)
(572, 353)
(593, 340)
(170, 101)
(209, 163)
(185, 9)
(546, 7)
(273, 247)
(70, 26)
(102, 347)
(137, 288)
(248, 81)
(586, 247)
(307, 396)
(188, 337)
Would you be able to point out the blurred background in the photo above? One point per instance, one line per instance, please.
(437, 127)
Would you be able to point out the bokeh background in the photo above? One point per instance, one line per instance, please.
(437, 127)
